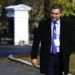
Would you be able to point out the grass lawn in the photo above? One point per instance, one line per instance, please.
(72, 61)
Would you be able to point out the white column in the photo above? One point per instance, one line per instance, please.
(21, 28)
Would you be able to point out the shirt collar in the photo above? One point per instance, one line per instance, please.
(58, 22)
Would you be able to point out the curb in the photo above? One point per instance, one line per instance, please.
(11, 57)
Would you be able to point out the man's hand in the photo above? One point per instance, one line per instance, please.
(34, 62)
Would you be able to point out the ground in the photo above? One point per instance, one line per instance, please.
(8, 67)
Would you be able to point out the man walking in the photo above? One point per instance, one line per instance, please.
(54, 36)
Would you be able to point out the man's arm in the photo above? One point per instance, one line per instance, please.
(35, 46)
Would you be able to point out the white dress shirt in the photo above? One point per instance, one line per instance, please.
(57, 32)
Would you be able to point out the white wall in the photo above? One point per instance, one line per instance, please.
(21, 28)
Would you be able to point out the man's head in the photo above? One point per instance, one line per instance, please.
(56, 11)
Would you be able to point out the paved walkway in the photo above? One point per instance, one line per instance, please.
(8, 67)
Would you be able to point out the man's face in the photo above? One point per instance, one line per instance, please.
(55, 14)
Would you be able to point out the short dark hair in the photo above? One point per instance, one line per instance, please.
(57, 6)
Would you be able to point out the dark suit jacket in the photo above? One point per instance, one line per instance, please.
(43, 35)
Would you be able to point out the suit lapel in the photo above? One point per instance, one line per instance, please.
(49, 25)
(62, 32)
(62, 28)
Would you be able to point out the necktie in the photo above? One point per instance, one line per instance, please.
(54, 47)
(54, 29)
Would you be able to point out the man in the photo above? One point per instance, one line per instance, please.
(54, 36)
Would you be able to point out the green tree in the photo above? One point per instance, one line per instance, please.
(47, 4)
(68, 5)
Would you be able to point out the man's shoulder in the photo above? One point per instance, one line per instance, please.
(65, 19)
(43, 20)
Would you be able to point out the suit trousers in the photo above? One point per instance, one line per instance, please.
(66, 59)
(54, 64)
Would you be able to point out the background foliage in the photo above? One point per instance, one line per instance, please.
(68, 5)
(41, 8)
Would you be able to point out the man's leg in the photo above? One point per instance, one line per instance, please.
(66, 64)
(53, 68)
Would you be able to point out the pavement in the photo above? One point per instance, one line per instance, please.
(8, 67)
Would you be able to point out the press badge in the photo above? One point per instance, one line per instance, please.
(57, 42)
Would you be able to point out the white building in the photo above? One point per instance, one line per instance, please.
(21, 22)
